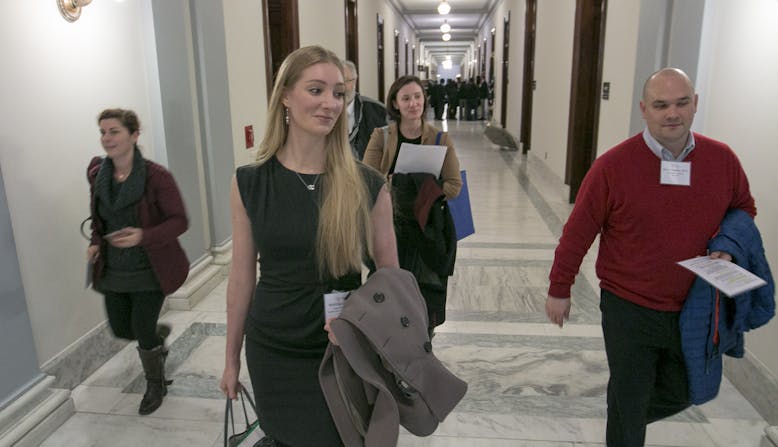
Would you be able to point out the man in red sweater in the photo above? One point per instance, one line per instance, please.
(654, 199)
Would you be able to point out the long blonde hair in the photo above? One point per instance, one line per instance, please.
(344, 231)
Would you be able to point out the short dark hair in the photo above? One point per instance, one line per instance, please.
(127, 118)
(401, 82)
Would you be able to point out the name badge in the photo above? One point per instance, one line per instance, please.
(676, 173)
(333, 304)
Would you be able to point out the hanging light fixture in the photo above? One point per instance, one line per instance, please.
(444, 8)
(445, 27)
(446, 37)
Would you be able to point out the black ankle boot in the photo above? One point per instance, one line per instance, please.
(153, 361)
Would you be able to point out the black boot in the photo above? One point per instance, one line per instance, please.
(153, 361)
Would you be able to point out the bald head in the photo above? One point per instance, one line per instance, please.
(664, 75)
(668, 106)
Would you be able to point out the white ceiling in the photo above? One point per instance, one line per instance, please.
(466, 18)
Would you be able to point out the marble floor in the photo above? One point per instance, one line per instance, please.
(531, 384)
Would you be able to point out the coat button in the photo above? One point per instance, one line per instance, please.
(428, 346)
(378, 297)
(405, 321)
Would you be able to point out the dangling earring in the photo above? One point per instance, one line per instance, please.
(286, 115)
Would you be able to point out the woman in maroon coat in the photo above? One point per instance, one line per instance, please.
(137, 215)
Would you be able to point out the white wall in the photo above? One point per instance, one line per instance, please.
(56, 78)
(246, 70)
(738, 104)
(323, 22)
(620, 53)
(551, 101)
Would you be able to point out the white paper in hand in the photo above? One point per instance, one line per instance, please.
(726, 276)
(420, 158)
(333, 304)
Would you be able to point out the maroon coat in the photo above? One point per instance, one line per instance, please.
(162, 218)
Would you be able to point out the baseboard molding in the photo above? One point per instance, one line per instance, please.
(756, 384)
(222, 254)
(31, 418)
(203, 278)
(79, 360)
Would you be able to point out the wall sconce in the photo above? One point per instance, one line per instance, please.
(446, 37)
(444, 8)
(396, 32)
(445, 27)
(71, 9)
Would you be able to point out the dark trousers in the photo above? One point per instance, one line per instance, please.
(133, 316)
(647, 370)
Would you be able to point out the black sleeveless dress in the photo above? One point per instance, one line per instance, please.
(285, 337)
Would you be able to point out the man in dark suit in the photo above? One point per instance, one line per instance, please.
(364, 114)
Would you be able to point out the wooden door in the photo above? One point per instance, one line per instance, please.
(282, 35)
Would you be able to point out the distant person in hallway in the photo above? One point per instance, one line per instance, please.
(137, 215)
(309, 213)
(427, 250)
(364, 114)
(654, 199)
(453, 98)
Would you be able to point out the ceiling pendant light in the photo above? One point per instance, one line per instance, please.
(444, 8)
(445, 27)
(446, 37)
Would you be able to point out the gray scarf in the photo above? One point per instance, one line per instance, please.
(132, 189)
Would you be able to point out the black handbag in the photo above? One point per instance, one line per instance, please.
(252, 434)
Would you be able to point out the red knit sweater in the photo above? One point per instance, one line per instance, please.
(646, 227)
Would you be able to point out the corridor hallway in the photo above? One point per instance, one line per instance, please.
(531, 384)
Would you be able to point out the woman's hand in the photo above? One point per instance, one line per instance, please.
(330, 335)
(230, 385)
(126, 237)
(92, 253)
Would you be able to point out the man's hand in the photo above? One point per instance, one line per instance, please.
(558, 310)
(721, 255)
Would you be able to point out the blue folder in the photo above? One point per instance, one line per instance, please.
(461, 212)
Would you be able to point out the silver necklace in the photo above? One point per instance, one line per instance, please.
(311, 186)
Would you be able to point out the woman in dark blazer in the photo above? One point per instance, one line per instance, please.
(137, 215)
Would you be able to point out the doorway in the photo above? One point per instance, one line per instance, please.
(352, 35)
(584, 121)
(380, 55)
(505, 52)
(282, 35)
(528, 82)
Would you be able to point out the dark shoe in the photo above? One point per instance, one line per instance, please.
(153, 361)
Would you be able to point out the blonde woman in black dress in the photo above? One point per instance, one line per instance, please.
(310, 214)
